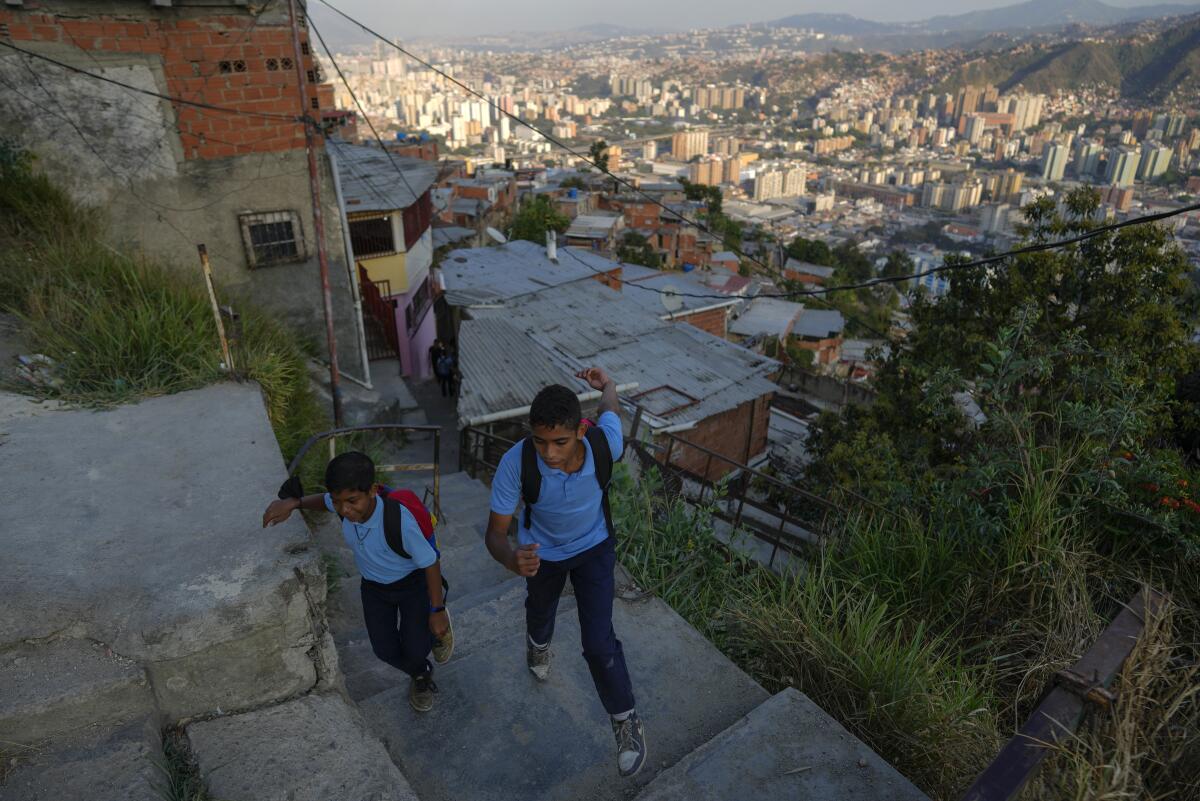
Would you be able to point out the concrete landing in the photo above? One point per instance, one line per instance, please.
(786, 749)
(117, 766)
(312, 749)
(140, 527)
(496, 733)
(58, 689)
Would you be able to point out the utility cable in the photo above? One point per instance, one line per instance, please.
(151, 93)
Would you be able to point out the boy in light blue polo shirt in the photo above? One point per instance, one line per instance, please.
(566, 533)
(402, 595)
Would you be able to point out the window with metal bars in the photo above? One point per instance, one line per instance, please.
(372, 237)
(272, 238)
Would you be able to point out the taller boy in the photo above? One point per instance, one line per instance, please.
(566, 532)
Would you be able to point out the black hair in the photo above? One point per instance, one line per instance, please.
(351, 470)
(554, 406)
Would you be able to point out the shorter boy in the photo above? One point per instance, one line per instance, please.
(394, 588)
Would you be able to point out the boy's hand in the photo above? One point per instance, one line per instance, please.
(279, 511)
(595, 377)
(525, 560)
(439, 623)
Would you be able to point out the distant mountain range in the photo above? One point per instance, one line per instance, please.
(1147, 66)
(1032, 15)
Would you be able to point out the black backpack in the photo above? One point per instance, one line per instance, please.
(531, 477)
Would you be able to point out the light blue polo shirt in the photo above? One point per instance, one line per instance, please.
(568, 517)
(375, 558)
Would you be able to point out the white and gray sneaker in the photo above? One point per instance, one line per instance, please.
(538, 659)
(631, 744)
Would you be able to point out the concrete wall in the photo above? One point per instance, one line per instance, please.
(169, 178)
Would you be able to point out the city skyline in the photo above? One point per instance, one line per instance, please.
(475, 17)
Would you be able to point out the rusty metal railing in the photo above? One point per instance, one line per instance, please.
(416, 467)
(1062, 709)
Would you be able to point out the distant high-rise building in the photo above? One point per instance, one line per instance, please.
(1087, 159)
(1142, 120)
(974, 128)
(996, 218)
(768, 185)
(1175, 123)
(686, 144)
(1154, 162)
(1054, 162)
(650, 150)
(1122, 166)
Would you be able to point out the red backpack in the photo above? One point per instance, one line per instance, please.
(392, 500)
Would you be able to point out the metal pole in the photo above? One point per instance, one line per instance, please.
(437, 471)
(314, 185)
(212, 296)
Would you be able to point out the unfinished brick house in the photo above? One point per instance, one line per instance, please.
(230, 173)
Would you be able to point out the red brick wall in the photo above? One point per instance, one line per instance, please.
(726, 434)
(191, 51)
(611, 278)
(713, 321)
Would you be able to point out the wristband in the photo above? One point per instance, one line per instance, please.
(435, 609)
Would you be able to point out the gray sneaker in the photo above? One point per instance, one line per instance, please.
(421, 692)
(443, 648)
(538, 660)
(631, 744)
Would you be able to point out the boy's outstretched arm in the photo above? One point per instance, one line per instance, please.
(598, 379)
(282, 509)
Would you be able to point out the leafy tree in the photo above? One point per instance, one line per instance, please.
(813, 251)
(598, 155)
(635, 249)
(574, 182)
(852, 265)
(898, 263)
(536, 218)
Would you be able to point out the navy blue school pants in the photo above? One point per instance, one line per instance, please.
(591, 575)
(397, 618)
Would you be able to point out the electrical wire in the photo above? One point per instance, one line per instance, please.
(171, 98)
(769, 270)
(337, 68)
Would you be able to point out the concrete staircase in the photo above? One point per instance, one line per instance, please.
(496, 733)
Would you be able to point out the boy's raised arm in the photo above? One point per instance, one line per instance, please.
(282, 509)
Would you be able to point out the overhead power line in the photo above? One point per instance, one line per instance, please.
(171, 98)
(771, 271)
(337, 68)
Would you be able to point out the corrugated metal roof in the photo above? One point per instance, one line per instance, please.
(369, 180)
(495, 274)
(502, 368)
(819, 323)
(593, 226)
(684, 285)
(769, 316)
(586, 323)
(808, 267)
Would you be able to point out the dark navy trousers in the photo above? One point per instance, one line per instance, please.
(591, 575)
(397, 618)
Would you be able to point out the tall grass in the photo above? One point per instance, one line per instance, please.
(120, 327)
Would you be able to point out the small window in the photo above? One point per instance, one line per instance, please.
(372, 237)
(272, 238)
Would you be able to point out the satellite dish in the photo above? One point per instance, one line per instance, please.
(496, 235)
(670, 298)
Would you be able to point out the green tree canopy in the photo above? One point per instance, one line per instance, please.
(537, 217)
(635, 249)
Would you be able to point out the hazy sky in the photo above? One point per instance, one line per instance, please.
(410, 19)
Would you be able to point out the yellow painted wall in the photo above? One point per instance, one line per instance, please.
(388, 268)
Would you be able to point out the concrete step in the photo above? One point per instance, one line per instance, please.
(787, 748)
(451, 535)
(55, 689)
(118, 765)
(470, 568)
(496, 733)
(314, 748)
(217, 610)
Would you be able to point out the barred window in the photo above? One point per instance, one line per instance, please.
(272, 238)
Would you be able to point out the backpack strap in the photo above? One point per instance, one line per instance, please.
(603, 460)
(393, 530)
(531, 479)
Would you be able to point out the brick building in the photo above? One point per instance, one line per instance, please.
(230, 173)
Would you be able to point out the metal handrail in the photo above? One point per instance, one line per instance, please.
(435, 465)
